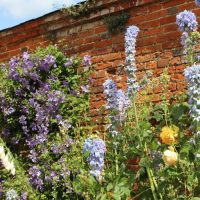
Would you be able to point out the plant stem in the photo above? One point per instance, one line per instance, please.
(150, 176)
(151, 184)
(137, 121)
(116, 163)
(156, 185)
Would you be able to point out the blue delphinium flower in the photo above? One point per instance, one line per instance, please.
(117, 103)
(97, 149)
(184, 39)
(122, 105)
(130, 42)
(186, 21)
(197, 2)
(110, 91)
(192, 75)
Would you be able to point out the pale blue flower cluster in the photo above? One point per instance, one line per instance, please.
(97, 149)
(117, 103)
(11, 195)
(110, 91)
(130, 42)
(186, 21)
(192, 75)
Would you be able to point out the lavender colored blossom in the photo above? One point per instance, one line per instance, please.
(184, 39)
(186, 21)
(87, 60)
(33, 156)
(55, 149)
(64, 126)
(8, 111)
(22, 120)
(85, 88)
(97, 150)
(122, 104)
(24, 196)
(35, 178)
(192, 75)
(130, 42)
(117, 101)
(197, 2)
(46, 63)
(25, 56)
(110, 91)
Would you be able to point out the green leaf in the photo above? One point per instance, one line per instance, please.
(104, 197)
(195, 198)
(116, 196)
(179, 110)
(109, 187)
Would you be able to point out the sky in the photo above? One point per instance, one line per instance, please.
(13, 12)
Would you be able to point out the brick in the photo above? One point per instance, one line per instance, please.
(100, 29)
(175, 61)
(163, 63)
(112, 56)
(152, 65)
(103, 43)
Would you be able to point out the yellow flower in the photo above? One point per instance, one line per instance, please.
(170, 157)
(169, 135)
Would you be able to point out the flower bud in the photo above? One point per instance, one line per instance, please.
(170, 157)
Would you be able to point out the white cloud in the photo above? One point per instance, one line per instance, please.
(22, 9)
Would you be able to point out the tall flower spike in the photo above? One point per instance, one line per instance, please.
(130, 42)
(192, 75)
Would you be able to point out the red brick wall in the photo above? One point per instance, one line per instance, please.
(158, 45)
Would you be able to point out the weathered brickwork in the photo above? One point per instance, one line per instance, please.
(158, 45)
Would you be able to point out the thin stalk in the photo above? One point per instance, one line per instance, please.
(153, 190)
(151, 177)
(156, 185)
(137, 121)
(116, 163)
(165, 110)
(145, 150)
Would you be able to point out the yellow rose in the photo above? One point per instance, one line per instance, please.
(170, 157)
(169, 135)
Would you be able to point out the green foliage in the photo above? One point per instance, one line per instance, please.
(80, 9)
(116, 23)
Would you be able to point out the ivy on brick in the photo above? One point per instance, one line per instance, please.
(116, 23)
